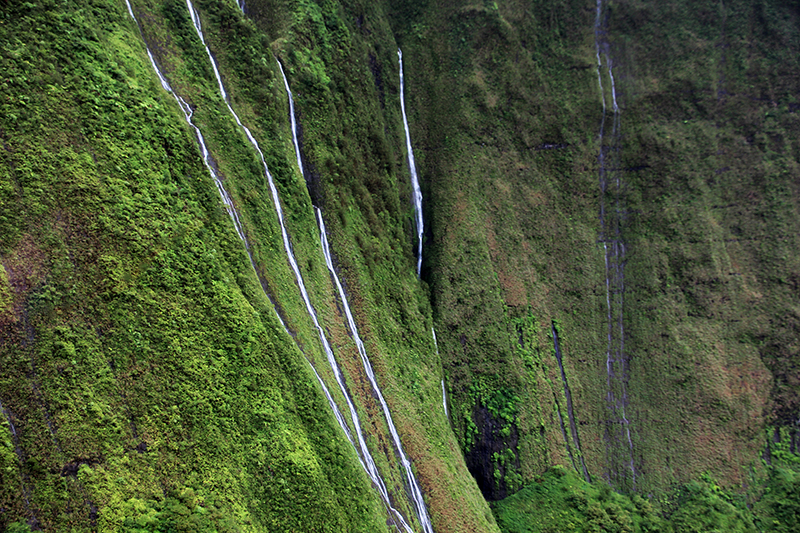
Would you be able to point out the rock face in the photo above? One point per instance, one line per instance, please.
(609, 257)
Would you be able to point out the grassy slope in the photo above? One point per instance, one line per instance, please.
(713, 230)
(141, 360)
(513, 203)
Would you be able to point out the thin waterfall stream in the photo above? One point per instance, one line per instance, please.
(188, 114)
(366, 458)
(366, 461)
(413, 486)
(412, 167)
(444, 393)
(613, 247)
(416, 492)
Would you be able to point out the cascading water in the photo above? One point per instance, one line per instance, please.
(365, 457)
(570, 413)
(444, 401)
(444, 394)
(415, 492)
(564, 432)
(293, 121)
(417, 192)
(613, 248)
(188, 113)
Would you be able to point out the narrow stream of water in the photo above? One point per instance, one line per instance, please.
(365, 459)
(570, 413)
(417, 192)
(413, 487)
(444, 394)
(416, 492)
(609, 161)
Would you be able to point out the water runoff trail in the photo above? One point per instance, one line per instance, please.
(417, 192)
(187, 111)
(415, 492)
(444, 393)
(365, 457)
(188, 114)
(618, 429)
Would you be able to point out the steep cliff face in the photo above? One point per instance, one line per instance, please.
(627, 171)
(610, 257)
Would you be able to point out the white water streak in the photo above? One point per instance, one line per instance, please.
(444, 394)
(296, 141)
(416, 493)
(370, 466)
(444, 401)
(366, 459)
(617, 252)
(187, 111)
(417, 193)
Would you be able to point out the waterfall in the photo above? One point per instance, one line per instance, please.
(444, 401)
(295, 140)
(570, 413)
(229, 205)
(613, 245)
(366, 459)
(416, 493)
(417, 192)
(564, 432)
(188, 113)
(444, 394)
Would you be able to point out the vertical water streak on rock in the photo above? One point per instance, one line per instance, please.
(444, 401)
(444, 393)
(416, 492)
(417, 192)
(188, 114)
(329, 263)
(366, 458)
(570, 413)
(613, 252)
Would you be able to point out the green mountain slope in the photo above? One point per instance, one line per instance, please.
(610, 264)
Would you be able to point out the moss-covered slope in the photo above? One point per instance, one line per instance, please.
(610, 260)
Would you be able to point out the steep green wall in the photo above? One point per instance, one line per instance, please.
(148, 381)
(706, 155)
(145, 379)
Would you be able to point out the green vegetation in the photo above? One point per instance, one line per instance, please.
(560, 501)
(146, 381)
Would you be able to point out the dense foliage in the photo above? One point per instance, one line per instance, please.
(155, 372)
